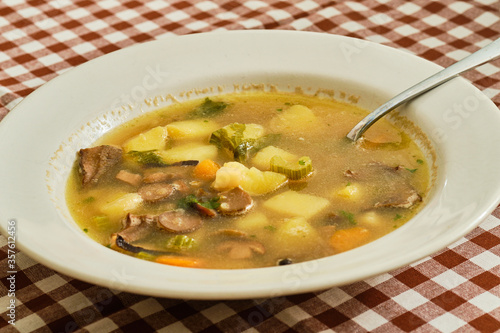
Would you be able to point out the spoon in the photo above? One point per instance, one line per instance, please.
(488, 53)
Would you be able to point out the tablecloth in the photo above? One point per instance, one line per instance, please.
(454, 290)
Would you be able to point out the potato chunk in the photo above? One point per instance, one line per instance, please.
(198, 129)
(291, 203)
(122, 204)
(252, 180)
(262, 160)
(296, 235)
(189, 151)
(154, 139)
(252, 222)
(296, 118)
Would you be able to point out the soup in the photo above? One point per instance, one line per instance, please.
(246, 180)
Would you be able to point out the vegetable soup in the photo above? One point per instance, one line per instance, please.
(246, 180)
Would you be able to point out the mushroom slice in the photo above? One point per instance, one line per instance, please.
(404, 199)
(96, 161)
(179, 221)
(156, 192)
(204, 211)
(158, 177)
(235, 201)
(241, 249)
(133, 179)
(136, 227)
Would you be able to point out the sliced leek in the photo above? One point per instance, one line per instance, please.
(180, 243)
(293, 170)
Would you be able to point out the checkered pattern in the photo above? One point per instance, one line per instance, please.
(457, 289)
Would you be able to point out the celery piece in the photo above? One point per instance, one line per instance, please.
(146, 256)
(242, 140)
(102, 222)
(180, 243)
(294, 171)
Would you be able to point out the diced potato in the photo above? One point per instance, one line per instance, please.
(370, 219)
(189, 151)
(296, 235)
(258, 182)
(122, 204)
(296, 118)
(253, 181)
(154, 139)
(252, 222)
(351, 192)
(198, 129)
(252, 131)
(262, 159)
(291, 203)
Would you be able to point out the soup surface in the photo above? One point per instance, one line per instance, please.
(246, 180)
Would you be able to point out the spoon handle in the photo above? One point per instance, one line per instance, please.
(488, 53)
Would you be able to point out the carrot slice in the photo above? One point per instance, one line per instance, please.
(206, 170)
(179, 261)
(347, 239)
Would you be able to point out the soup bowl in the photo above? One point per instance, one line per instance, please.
(40, 137)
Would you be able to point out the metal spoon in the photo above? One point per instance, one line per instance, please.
(488, 53)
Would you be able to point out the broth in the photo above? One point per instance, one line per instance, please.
(246, 180)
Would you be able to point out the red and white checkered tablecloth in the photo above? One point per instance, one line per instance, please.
(455, 290)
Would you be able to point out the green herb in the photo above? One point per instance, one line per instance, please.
(279, 110)
(301, 162)
(85, 230)
(88, 200)
(190, 200)
(411, 170)
(147, 157)
(397, 217)
(349, 216)
(270, 227)
(348, 184)
(187, 202)
(419, 161)
(213, 203)
(208, 108)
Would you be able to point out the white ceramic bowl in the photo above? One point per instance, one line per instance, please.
(39, 138)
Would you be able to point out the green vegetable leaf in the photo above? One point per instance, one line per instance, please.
(213, 203)
(411, 170)
(190, 200)
(147, 157)
(397, 217)
(419, 161)
(187, 202)
(349, 216)
(208, 108)
(232, 139)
